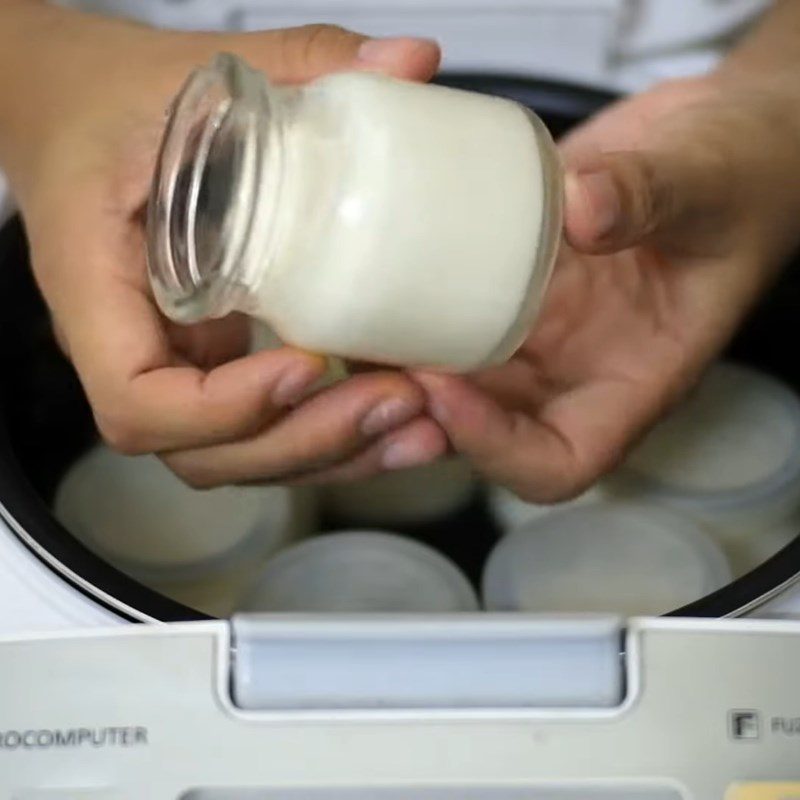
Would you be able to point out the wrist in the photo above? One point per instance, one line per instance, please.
(767, 60)
(65, 78)
(31, 35)
(761, 112)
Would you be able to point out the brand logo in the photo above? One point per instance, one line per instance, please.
(744, 725)
(58, 738)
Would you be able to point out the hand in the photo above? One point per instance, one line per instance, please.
(678, 214)
(80, 152)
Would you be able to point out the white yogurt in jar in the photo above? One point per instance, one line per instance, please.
(436, 232)
(362, 216)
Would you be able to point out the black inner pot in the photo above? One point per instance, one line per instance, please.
(47, 423)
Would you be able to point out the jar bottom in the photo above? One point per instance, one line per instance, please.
(546, 254)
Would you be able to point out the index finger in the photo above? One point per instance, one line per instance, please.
(144, 395)
(550, 453)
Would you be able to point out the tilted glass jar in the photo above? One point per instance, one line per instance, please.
(360, 215)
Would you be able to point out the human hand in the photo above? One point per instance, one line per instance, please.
(80, 148)
(678, 214)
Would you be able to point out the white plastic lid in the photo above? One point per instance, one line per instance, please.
(405, 496)
(139, 516)
(361, 572)
(734, 444)
(623, 558)
(510, 512)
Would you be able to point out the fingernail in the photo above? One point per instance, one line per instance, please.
(402, 454)
(388, 415)
(388, 51)
(601, 193)
(294, 385)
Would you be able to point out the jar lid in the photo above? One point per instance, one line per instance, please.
(733, 445)
(136, 514)
(509, 511)
(623, 558)
(361, 572)
(204, 191)
(403, 497)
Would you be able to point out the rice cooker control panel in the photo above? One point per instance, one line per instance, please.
(468, 707)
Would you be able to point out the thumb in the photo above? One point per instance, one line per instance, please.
(681, 201)
(294, 55)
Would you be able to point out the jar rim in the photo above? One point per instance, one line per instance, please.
(204, 190)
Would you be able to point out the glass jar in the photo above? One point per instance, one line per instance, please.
(359, 216)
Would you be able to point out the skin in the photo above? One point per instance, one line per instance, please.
(678, 216)
(79, 138)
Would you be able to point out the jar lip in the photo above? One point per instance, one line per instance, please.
(204, 189)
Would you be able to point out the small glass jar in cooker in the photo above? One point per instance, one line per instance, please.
(359, 215)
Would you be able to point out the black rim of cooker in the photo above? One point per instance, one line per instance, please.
(28, 517)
